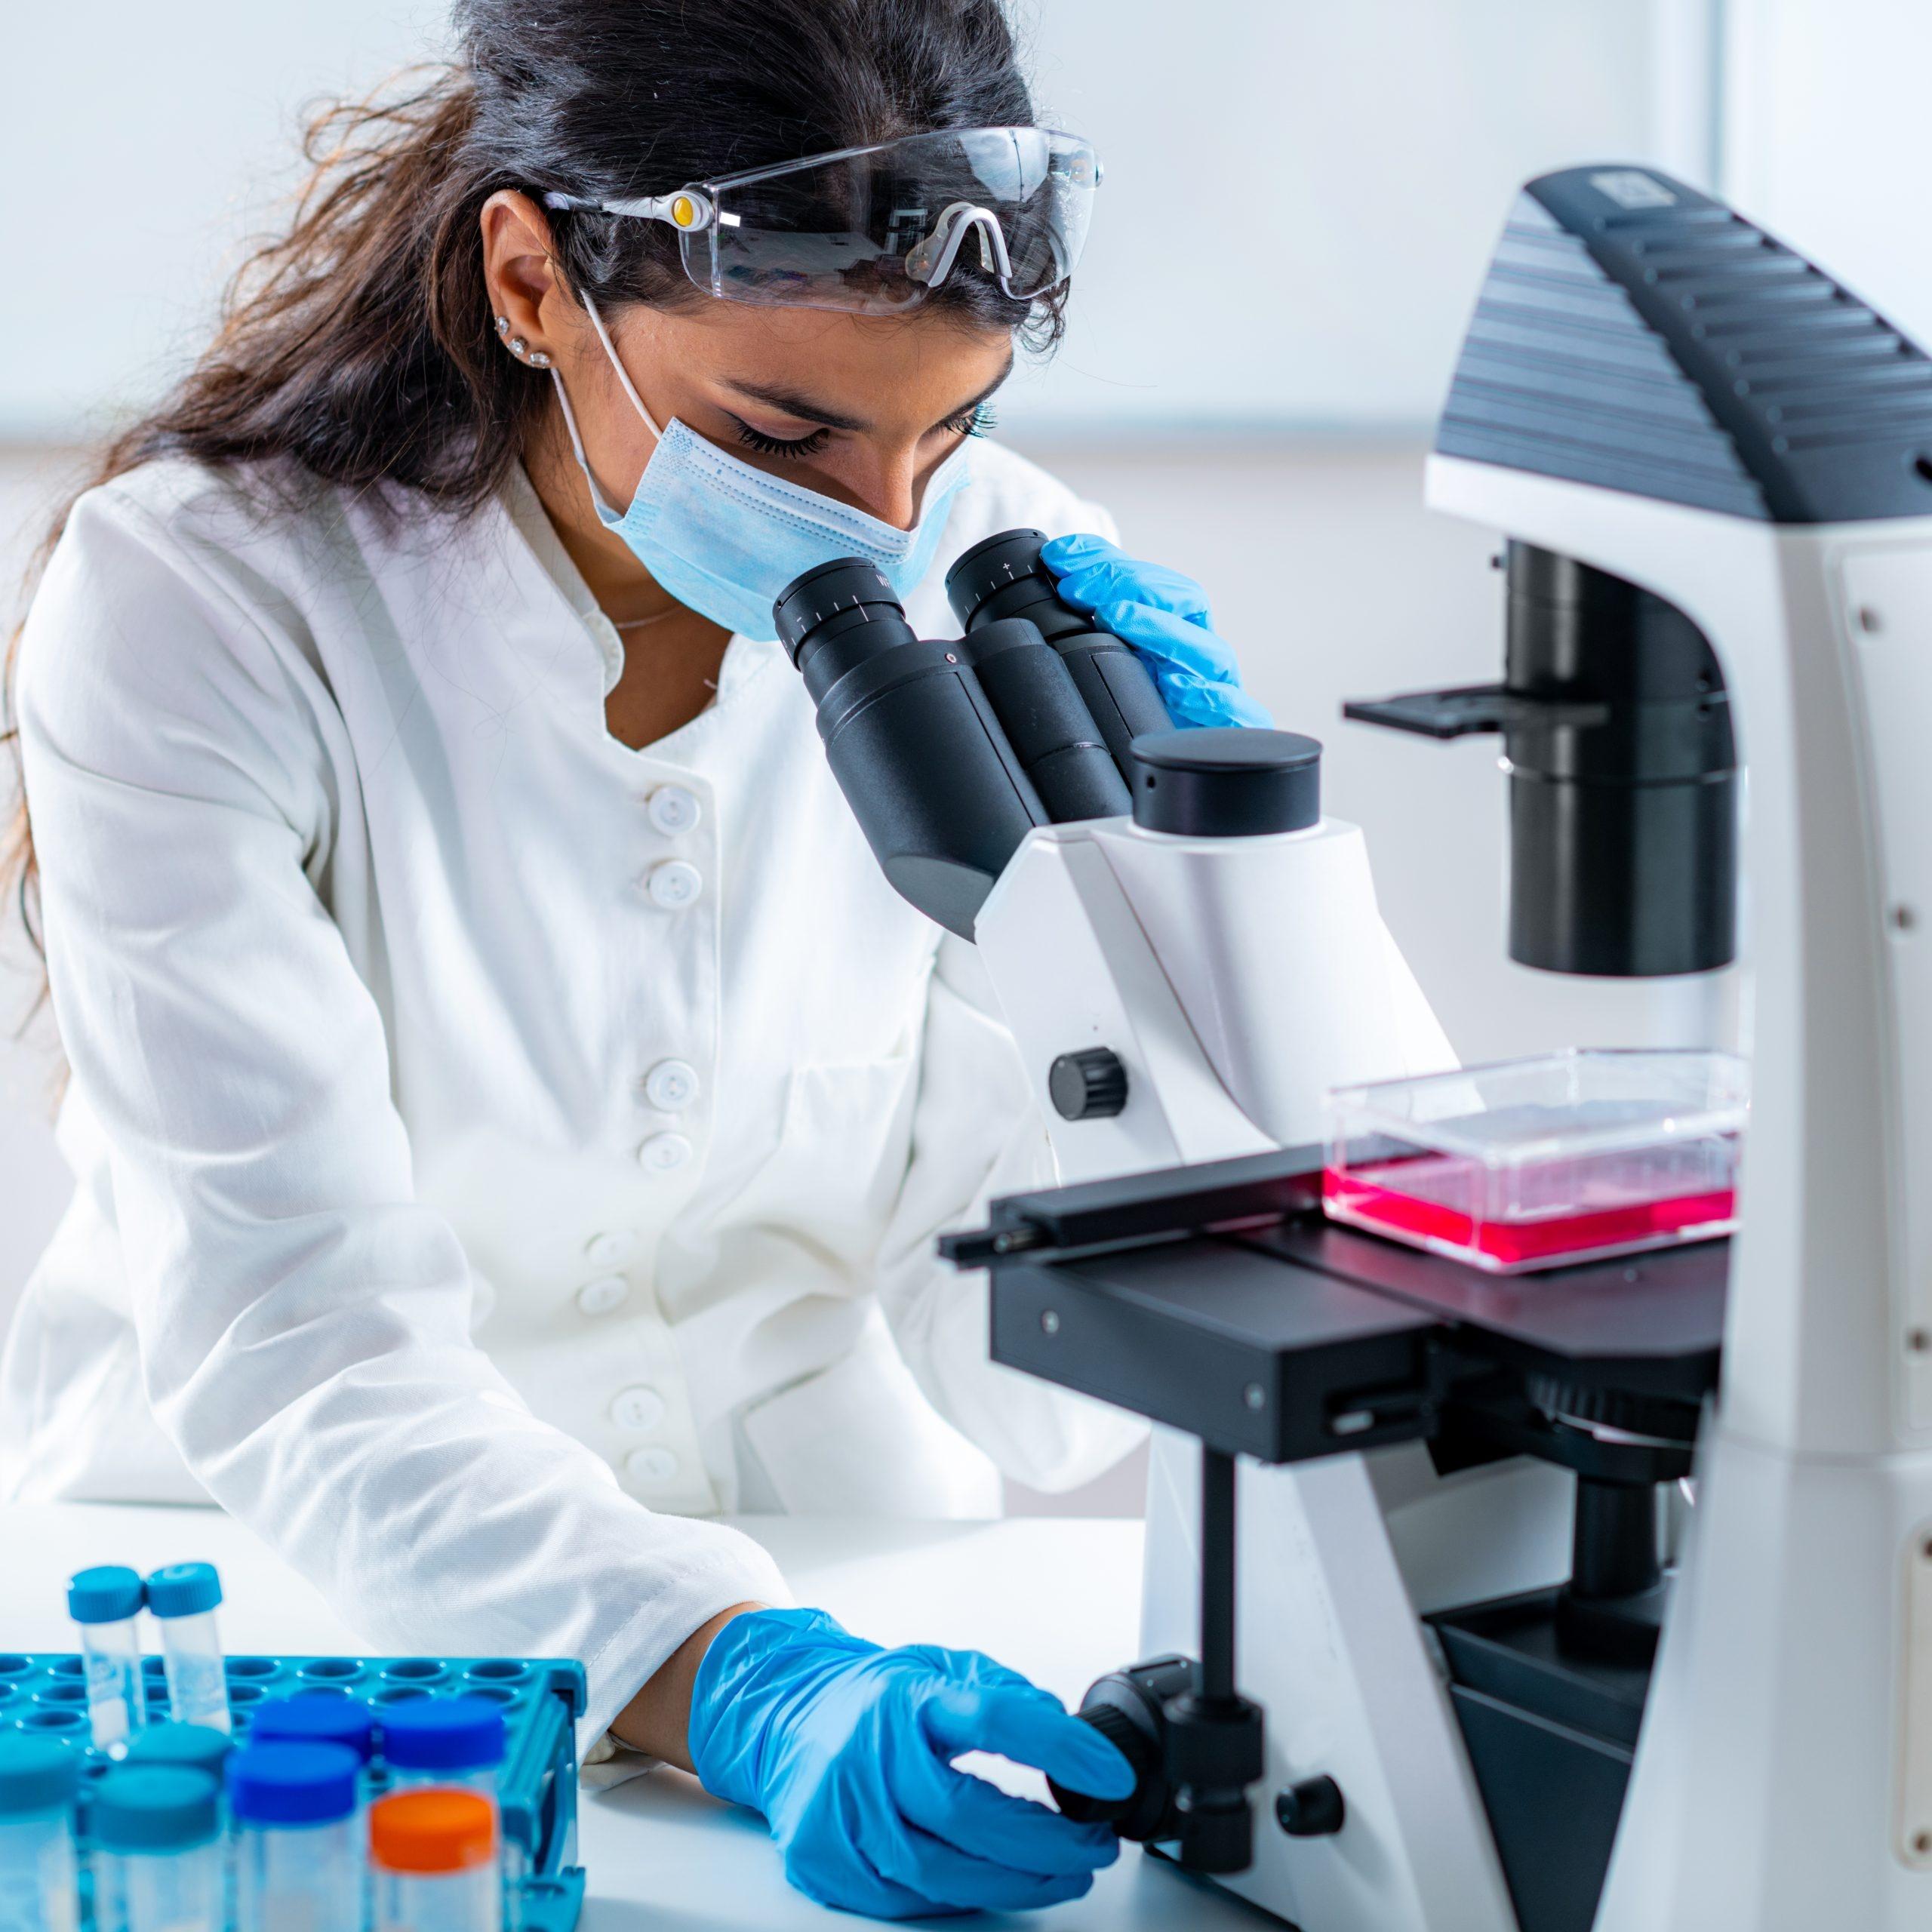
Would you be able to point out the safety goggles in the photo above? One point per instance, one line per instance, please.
(875, 229)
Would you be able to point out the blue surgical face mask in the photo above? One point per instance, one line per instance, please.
(725, 539)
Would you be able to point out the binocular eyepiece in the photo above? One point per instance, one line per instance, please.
(951, 752)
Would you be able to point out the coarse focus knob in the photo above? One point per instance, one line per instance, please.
(1226, 781)
(1091, 1085)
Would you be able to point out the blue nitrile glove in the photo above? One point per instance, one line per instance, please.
(1163, 616)
(846, 1749)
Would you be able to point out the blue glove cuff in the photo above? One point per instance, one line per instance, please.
(734, 1695)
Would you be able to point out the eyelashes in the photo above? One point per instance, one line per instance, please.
(974, 423)
(798, 446)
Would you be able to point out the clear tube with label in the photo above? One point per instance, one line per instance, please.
(39, 1881)
(456, 1741)
(105, 1603)
(183, 1598)
(434, 1855)
(157, 1861)
(298, 1854)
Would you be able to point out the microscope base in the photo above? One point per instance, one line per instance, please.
(1551, 1738)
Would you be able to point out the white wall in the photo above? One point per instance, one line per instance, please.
(1300, 194)
(142, 144)
(1824, 140)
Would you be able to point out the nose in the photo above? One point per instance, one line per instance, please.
(889, 484)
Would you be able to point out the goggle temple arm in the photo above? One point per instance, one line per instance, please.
(687, 211)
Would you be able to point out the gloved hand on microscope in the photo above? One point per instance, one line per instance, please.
(1164, 617)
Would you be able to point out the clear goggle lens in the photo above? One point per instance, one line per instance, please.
(875, 229)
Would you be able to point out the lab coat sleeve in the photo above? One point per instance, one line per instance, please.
(304, 1321)
(976, 1133)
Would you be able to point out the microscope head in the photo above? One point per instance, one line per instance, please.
(1651, 391)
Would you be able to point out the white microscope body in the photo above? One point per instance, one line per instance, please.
(1238, 980)
(1714, 468)
(1782, 1779)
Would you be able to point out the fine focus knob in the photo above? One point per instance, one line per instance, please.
(1227, 782)
(1091, 1085)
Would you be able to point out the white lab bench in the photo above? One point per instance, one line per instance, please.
(1056, 1598)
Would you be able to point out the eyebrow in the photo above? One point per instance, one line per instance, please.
(791, 403)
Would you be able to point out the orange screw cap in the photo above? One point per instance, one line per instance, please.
(432, 1830)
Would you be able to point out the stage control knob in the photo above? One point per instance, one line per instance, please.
(1091, 1085)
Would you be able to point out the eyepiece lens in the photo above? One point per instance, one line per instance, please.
(991, 565)
(827, 592)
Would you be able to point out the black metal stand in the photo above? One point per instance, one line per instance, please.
(1214, 1747)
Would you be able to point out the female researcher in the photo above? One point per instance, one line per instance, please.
(511, 1113)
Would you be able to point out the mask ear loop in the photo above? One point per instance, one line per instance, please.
(599, 502)
(623, 374)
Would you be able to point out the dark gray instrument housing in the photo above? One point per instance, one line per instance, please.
(1634, 333)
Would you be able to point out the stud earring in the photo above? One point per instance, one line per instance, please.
(540, 361)
(503, 325)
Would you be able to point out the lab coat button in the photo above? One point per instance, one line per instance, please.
(652, 1465)
(674, 885)
(640, 1408)
(673, 809)
(612, 1246)
(663, 1152)
(671, 1085)
(600, 1297)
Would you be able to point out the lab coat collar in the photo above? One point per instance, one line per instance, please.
(744, 658)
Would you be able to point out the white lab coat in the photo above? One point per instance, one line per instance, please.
(467, 1202)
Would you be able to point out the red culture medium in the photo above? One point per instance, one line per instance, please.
(1513, 1244)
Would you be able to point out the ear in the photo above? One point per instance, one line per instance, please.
(523, 286)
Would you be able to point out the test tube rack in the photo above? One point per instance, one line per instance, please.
(537, 1791)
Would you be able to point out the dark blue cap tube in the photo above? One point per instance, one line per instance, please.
(316, 1717)
(292, 1784)
(443, 1734)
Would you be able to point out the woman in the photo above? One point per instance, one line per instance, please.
(512, 1114)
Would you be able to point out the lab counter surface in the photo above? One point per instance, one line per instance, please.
(1056, 1598)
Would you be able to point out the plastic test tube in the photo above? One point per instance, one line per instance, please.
(434, 1851)
(444, 1741)
(458, 1741)
(183, 1598)
(105, 1603)
(298, 1856)
(316, 1717)
(158, 1862)
(39, 1883)
(192, 1747)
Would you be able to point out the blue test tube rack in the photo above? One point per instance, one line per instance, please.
(536, 1792)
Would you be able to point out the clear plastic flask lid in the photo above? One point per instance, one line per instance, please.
(1538, 1163)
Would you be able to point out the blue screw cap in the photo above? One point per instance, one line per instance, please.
(107, 1595)
(316, 1717)
(160, 1807)
(443, 1734)
(37, 1773)
(292, 1784)
(194, 1747)
(184, 1589)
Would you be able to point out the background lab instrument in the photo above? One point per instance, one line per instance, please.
(1431, 1646)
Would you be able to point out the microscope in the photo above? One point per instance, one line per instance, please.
(1419, 1654)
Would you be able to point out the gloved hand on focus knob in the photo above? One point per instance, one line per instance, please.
(1163, 616)
(847, 1749)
